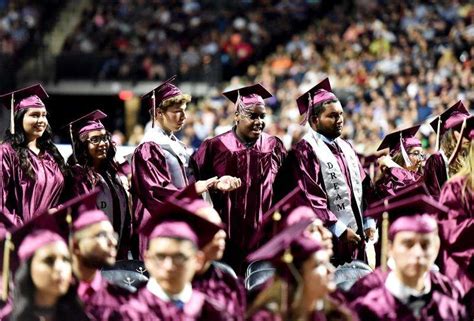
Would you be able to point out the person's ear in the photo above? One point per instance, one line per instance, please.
(236, 117)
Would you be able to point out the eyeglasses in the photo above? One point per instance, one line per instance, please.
(177, 259)
(95, 140)
(418, 154)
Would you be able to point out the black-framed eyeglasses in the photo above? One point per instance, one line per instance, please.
(177, 259)
(95, 140)
(418, 154)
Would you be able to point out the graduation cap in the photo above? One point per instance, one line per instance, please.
(285, 212)
(248, 96)
(85, 124)
(401, 140)
(448, 120)
(157, 97)
(417, 188)
(318, 94)
(174, 220)
(287, 251)
(414, 214)
(28, 97)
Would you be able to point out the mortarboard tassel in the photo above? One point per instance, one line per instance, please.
(6, 266)
(458, 144)
(12, 115)
(384, 244)
(153, 101)
(306, 115)
(72, 143)
(438, 135)
(404, 152)
(237, 102)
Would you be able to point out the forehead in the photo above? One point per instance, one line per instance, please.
(104, 226)
(413, 236)
(96, 133)
(176, 107)
(256, 109)
(35, 110)
(333, 107)
(170, 245)
(55, 248)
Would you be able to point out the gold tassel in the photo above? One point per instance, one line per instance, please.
(72, 143)
(8, 246)
(12, 115)
(384, 245)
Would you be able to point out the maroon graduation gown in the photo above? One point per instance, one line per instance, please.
(303, 165)
(435, 174)
(224, 289)
(242, 209)
(459, 200)
(393, 180)
(145, 306)
(23, 197)
(112, 199)
(151, 183)
(102, 300)
(443, 303)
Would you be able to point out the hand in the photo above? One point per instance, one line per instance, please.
(203, 186)
(370, 233)
(228, 183)
(350, 236)
(386, 161)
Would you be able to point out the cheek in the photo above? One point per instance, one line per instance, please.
(40, 274)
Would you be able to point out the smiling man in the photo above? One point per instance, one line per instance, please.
(251, 155)
(331, 175)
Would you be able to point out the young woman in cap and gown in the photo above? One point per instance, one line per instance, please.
(411, 290)
(300, 288)
(160, 164)
(93, 165)
(332, 178)
(32, 169)
(251, 155)
(457, 227)
(403, 166)
(443, 163)
(43, 279)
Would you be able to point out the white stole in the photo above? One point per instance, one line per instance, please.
(335, 183)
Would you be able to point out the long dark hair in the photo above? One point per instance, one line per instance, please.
(24, 294)
(19, 144)
(85, 161)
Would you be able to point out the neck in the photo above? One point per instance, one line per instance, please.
(43, 300)
(242, 138)
(305, 308)
(96, 163)
(205, 267)
(32, 144)
(82, 272)
(166, 130)
(417, 284)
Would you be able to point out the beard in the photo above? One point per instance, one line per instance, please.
(96, 262)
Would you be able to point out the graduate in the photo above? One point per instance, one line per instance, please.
(251, 155)
(300, 288)
(93, 165)
(160, 164)
(411, 290)
(174, 254)
(335, 185)
(215, 279)
(457, 227)
(39, 256)
(441, 165)
(403, 166)
(32, 169)
(93, 244)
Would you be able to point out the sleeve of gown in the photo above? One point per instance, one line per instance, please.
(435, 174)
(151, 180)
(303, 166)
(6, 182)
(451, 196)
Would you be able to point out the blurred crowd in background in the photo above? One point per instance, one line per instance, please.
(392, 63)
